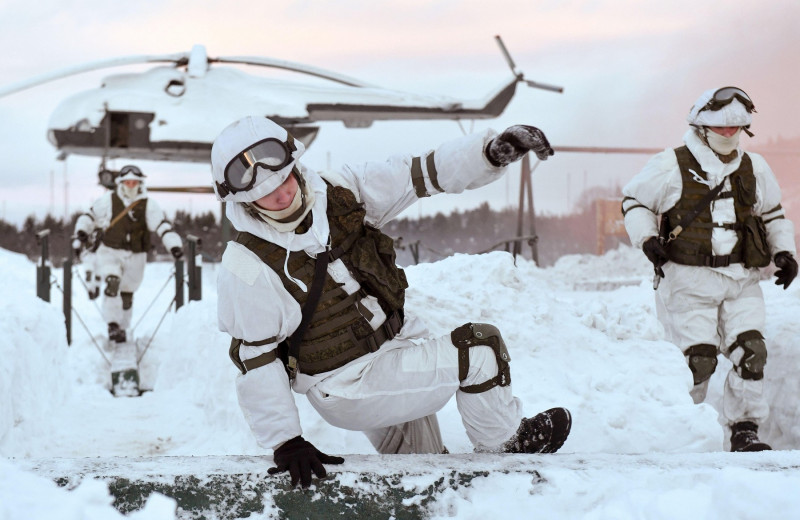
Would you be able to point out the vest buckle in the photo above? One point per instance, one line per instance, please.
(291, 367)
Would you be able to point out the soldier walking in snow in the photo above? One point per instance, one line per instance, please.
(124, 218)
(721, 220)
(311, 295)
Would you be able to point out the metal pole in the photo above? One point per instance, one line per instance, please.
(43, 269)
(521, 211)
(178, 284)
(68, 296)
(195, 268)
(534, 242)
(415, 251)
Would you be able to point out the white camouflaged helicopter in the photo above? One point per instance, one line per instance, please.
(173, 112)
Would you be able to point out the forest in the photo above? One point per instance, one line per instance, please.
(423, 239)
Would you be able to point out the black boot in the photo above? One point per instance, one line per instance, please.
(744, 437)
(544, 433)
(115, 333)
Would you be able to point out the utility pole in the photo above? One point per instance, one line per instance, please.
(526, 194)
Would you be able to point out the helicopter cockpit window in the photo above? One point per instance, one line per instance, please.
(175, 88)
(83, 125)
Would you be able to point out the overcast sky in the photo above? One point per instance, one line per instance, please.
(630, 71)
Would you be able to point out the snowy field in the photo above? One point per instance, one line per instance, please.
(581, 334)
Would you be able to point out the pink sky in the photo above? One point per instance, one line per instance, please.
(630, 69)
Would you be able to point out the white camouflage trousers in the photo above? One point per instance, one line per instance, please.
(129, 267)
(700, 305)
(382, 394)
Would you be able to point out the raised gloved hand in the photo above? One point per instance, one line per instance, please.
(516, 141)
(82, 236)
(787, 269)
(299, 457)
(177, 252)
(655, 251)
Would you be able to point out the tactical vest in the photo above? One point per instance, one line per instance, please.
(129, 232)
(693, 245)
(339, 331)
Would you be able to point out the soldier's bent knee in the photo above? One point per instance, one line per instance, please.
(702, 360)
(749, 355)
(112, 285)
(127, 300)
(481, 334)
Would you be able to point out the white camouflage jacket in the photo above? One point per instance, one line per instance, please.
(99, 217)
(253, 304)
(658, 187)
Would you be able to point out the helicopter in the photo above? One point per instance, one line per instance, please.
(173, 112)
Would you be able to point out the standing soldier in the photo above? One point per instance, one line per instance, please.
(124, 218)
(721, 220)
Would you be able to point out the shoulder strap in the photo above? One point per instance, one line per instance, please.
(123, 213)
(689, 217)
(320, 273)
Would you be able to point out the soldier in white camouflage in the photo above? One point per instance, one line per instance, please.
(314, 303)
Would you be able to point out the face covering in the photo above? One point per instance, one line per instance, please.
(128, 193)
(721, 144)
(289, 218)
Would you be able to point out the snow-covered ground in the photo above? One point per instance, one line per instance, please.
(581, 334)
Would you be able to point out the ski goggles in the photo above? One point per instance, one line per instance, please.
(725, 96)
(129, 173)
(270, 154)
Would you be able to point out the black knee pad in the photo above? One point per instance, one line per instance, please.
(702, 359)
(112, 285)
(127, 300)
(754, 356)
(474, 334)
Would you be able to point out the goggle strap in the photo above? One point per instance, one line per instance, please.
(222, 190)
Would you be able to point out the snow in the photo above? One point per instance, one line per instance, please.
(581, 334)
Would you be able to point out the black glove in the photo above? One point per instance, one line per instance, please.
(516, 141)
(655, 252)
(82, 236)
(177, 252)
(787, 269)
(300, 458)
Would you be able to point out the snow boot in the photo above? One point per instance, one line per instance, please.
(115, 333)
(544, 433)
(744, 437)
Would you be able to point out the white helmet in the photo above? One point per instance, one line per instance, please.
(251, 158)
(130, 173)
(727, 106)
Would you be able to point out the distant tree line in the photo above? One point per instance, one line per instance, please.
(26, 239)
(424, 239)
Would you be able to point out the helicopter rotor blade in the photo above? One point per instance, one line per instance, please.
(519, 75)
(544, 86)
(182, 189)
(294, 67)
(178, 58)
(507, 55)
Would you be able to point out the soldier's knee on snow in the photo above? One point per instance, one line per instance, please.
(112, 285)
(702, 360)
(481, 334)
(749, 355)
(127, 300)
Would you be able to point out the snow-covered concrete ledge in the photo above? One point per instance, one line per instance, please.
(404, 486)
